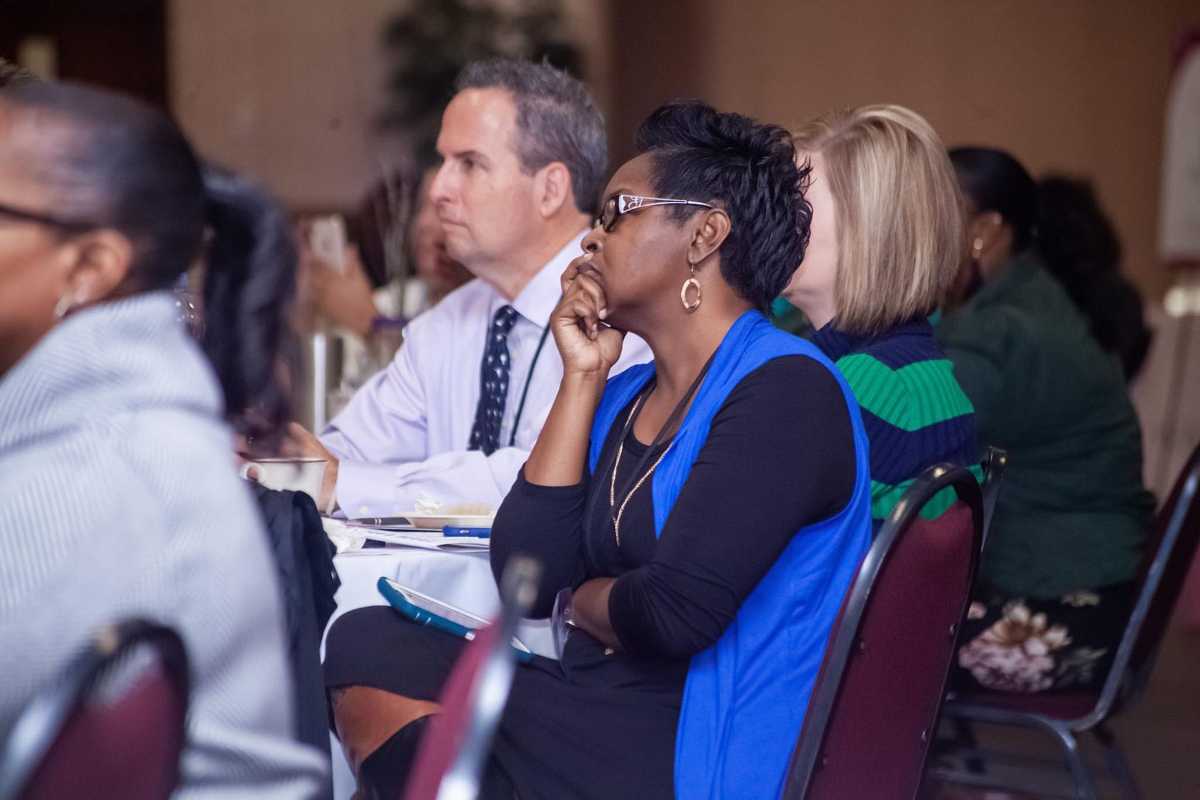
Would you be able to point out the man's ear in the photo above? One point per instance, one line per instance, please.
(552, 187)
(100, 262)
(711, 231)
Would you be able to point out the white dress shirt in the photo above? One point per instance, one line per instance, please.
(404, 434)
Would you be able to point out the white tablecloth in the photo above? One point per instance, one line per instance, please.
(462, 579)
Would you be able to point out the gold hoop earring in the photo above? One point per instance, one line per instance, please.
(691, 283)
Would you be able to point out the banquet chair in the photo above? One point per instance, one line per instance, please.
(995, 462)
(1169, 553)
(451, 756)
(110, 726)
(875, 703)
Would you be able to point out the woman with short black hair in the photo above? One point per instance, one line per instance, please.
(699, 518)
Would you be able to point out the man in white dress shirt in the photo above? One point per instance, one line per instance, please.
(453, 417)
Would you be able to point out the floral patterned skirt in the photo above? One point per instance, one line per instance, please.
(1019, 644)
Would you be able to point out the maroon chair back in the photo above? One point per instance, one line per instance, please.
(1170, 550)
(450, 758)
(872, 713)
(85, 738)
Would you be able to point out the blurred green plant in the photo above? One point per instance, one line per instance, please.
(432, 40)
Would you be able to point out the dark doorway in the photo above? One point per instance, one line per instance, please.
(120, 44)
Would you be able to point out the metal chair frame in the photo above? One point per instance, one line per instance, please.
(995, 462)
(1122, 687)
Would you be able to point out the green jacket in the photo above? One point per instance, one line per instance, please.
(1072, 512)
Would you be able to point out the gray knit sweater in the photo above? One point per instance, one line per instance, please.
(118, 497)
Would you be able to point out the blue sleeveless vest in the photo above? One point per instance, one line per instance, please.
(745, 696)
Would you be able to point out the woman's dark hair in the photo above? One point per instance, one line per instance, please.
(122, 165)
(1062, 219)
(747, 168)
(995, 181)
(388, 205)
(392, 196)
(1081, 249)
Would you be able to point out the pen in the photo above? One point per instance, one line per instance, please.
(378, 522)
(474, 533)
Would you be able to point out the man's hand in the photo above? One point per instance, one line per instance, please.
(341, 294)
(344, 298)
(300, 443)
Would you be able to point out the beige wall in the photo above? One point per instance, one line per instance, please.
(1074, 85)
(283, 89)
(287, 89)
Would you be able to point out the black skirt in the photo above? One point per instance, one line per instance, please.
(591, 726)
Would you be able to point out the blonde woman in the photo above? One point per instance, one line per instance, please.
(885, 245)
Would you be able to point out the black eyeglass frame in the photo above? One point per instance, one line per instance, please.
(618, 205)
(39, 218)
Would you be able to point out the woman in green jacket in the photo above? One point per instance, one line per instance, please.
(1058, 575)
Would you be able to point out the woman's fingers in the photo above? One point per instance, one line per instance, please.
(583, 292)
(583, 310)
(583, 283)
(587, 283)
(573, 269)
(568, 277)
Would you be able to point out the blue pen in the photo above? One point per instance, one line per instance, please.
(474, 533)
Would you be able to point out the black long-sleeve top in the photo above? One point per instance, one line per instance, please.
(779, 456)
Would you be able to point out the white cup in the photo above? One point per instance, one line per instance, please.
(290, 474)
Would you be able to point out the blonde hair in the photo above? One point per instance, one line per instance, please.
(899, 216)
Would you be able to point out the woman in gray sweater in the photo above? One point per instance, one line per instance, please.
(119, 492)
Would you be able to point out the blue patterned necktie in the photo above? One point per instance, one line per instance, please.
(493, 383)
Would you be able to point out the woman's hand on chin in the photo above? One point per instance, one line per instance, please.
(586, 344)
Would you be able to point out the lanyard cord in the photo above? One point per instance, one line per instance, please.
(512, 439)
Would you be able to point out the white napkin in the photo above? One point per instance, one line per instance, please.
(344, 538)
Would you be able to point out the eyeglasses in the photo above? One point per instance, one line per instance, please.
(620, 204)
(37, 217)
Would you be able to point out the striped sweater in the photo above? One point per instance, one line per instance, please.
(914, 411)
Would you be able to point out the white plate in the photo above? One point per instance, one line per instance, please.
(439, 521)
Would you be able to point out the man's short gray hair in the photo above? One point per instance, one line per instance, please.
(557, 120)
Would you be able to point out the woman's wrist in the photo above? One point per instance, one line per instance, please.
(589, 384)
(589, 610)
(559, 457)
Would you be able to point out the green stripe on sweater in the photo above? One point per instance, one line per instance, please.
(910, 398)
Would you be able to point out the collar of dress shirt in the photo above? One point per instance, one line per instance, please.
(540, 295)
